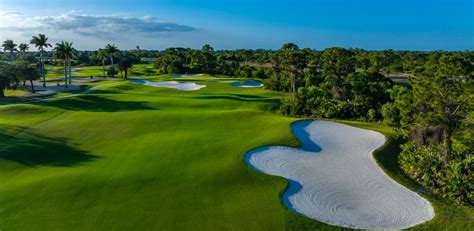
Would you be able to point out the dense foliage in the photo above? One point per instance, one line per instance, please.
(453, 180)
(436, 114)
(7, 77)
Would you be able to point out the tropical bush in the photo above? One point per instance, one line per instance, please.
(364, 95)
(453, 181)
(112, 71)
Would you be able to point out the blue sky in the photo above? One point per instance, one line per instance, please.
(157, 24)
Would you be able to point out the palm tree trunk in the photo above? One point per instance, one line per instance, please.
(65, 72)
(112, 64)
(447, 145)
(292, 75)
(42, 69)
(70, 71)
(103, 68)
(32, 86)
(293, 88)
(336, 88)
(11, 56)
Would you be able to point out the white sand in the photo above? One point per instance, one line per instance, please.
(334, 178)
(87, 79)
(184, 86)
(185, 75)
(38, 94)
(60, 97)
(74, 95)
(248, 83)
(54, 87)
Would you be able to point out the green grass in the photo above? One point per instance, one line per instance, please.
(16, 92)
(55, 72)
(143, 70)
(133, 157)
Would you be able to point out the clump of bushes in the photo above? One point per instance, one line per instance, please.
(364, 95)
(453, 181)
(112, 71)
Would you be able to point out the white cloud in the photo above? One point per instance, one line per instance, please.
(88, 31)
(90, 24)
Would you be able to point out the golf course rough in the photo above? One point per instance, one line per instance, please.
(334, 178)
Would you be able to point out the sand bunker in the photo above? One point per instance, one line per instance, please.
(248, 83)
(334, 178)
(184, 86)
(60, 97)
(55, 87)
(174, 75)
(87, 80)
(38, 94)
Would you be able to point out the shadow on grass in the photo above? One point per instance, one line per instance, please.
(240, 97)
(12, 100)
(96, 103)
(104, 92)
(31, 149)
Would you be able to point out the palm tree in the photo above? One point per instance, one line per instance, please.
(26, 72)
(124, 65)
(66, 52)
(111, 51)
(9, 45)
(23, 47)
(41, 42)
(59, 53)
(71, 53)
(102, 55)
(33, 74)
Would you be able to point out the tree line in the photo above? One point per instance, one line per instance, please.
(23, 66)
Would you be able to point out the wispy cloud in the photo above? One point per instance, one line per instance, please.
(92, 25)
(91, 31)
(11, 13)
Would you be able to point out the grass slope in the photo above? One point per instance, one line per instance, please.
(137, 157)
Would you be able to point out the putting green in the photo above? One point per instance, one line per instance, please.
(135, 157)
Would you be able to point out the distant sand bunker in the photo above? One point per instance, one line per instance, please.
(175, 75)
(248, 83)
(184, 86)
(334, 178)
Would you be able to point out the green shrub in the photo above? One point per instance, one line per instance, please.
(453, 181)
(290, 106)
(372, 115)
(112, 71)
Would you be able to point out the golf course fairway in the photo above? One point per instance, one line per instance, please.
(135, 157)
